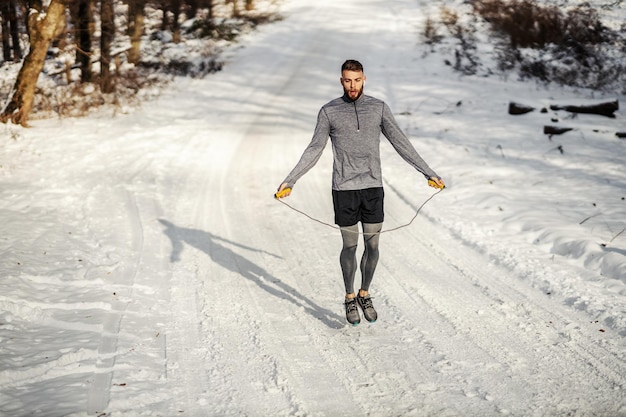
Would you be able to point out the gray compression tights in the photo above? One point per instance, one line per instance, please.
(347, 259)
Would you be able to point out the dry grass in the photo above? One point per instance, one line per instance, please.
(569, 47)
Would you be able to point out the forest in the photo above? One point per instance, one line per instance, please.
(111, 52)
(103, 41)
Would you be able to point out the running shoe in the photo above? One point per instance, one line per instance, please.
(368, 308)
(352, 312)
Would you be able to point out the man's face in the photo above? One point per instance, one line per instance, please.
(352, 82)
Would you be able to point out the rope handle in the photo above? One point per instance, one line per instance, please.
(281, 194)
(433, 184)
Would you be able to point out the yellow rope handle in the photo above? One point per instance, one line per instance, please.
(435, 185)
(282, 193)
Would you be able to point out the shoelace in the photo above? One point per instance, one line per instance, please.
(351, 305)
(366, 302)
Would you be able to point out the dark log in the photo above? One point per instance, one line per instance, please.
(604, 109)
(516, 108)
(621, 135)
(555, 130)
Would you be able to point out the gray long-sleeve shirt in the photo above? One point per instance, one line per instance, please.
(354, 128)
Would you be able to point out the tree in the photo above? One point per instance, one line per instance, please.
(236, 11)
(135, 29)
(175, 6)
(15, 32)
(42, 27)
(107, 16)
(6, 45)
(10, 31)
(82, 14)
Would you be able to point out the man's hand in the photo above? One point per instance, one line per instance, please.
(283, 191)
(436, 183)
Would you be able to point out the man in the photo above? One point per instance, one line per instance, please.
(354, 123)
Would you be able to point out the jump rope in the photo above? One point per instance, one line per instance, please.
(279, 195)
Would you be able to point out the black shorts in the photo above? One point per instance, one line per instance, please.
(353, 206)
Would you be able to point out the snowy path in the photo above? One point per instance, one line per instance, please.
(200, 295)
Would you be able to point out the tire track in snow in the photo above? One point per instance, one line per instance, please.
(187, 348)
(137, 209)
(275, 381)
(96, 238)
(99, 393)
(530, 337)
(247, 302)
(339, 364)
(282, 370)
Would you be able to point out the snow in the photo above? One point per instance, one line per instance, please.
(147, 270)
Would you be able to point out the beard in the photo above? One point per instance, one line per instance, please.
(359, 94)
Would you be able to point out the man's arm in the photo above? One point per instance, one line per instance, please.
(311, 154)
(403, 146)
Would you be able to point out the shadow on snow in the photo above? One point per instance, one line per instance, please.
(214, 247)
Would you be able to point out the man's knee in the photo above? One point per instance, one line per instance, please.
(348, 250)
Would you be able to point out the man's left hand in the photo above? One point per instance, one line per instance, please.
(436, 183)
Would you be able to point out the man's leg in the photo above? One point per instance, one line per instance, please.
(371, 237)
(347, 259)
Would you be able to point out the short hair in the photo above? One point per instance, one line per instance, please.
(351, 65)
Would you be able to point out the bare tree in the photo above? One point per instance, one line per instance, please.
(165, 7)
(42, 27)
(209, 5)
(82, 14)
(107, 16)
(135, 29)
(10, 31)
(175, 7)
(15, 31)
(236, 11)
(4, 26)
(192, 8)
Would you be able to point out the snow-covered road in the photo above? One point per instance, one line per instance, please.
(147, 270)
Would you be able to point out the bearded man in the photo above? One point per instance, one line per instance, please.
(354, 123)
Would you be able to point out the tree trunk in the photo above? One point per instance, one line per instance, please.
(604, 109)
(249, 5)
(192, 8)
(15, 31)
(84, 23)
(175, 4)
(209, 4)
(108, 33)
(165, 22)
(41, 34)
(4, 27)
(135, 29)
(236, 12)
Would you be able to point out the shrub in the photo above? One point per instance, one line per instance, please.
(530, 25)
(570, 47)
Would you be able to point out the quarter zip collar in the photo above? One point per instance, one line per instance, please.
(356, 113)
